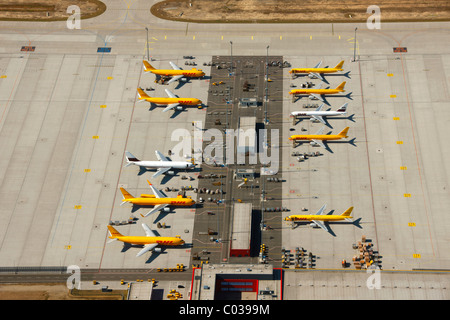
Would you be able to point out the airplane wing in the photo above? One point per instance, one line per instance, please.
(175, 78)
(320, 143)
(317, 75)
(321, 210)
(317, 96)
(157, 193)
(319, 118)
(174, 66)
(160, 172)
(170, 107)
(148, 247)
(155, 209)
(160, 156)
(318, 65)
(148, 231)
(320, 224)
(170, 93)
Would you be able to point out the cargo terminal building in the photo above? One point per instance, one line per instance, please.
(236, 282)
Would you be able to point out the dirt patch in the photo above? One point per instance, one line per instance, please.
(299, 11)
(54, 292)
(47, 10)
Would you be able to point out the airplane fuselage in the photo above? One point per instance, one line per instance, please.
(316, 137)
(167, 101)
(163, 164)
(193, 73)
(316, 91)
(153, 201)
(314, 70)
(165, 241)
(311, 217)
(316, 113)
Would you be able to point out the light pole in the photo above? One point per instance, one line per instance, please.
(354, 49)
(231, 56)
(148, 53)
(267, 81)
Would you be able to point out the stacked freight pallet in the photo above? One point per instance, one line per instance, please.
(366, 256)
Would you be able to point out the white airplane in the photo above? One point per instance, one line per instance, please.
(318, 114)
(163, 164)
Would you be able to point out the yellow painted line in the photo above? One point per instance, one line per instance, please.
(339, 37)
(78, 207)
(281, 37)
(393, 96)
(403, 168)
(411, 224)
(221, 38)
(399, 142)
(109, 78)
(154, 38)
(3, 76)
(390, 74)
(310, 37)
(87, 170)
(68, 247)
(193, 37)
(94, 137)
(103, 106)
(416, 255)
(252, 37)
(407, 195)
(396, 118)
(165, 37)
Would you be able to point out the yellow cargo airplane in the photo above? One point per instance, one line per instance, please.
(172, 102)
(316, 71)
(158, 200)
(176, 72)
(317, 92)
(150, 241)
(317, 139)
(318, 217)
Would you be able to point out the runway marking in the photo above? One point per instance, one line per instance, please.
(165, 37)
(221, 38)
(310, 37)
(281, 37)
(193, 37)
(154, 38)
(252, 37)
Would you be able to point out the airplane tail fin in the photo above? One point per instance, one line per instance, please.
(343, 108)
(142, 95)
(339, 65)
(126, 194)
(343, 133)
(147, 66)
(113, 233)
(347, 212)
(341, 86)
(130, 158)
